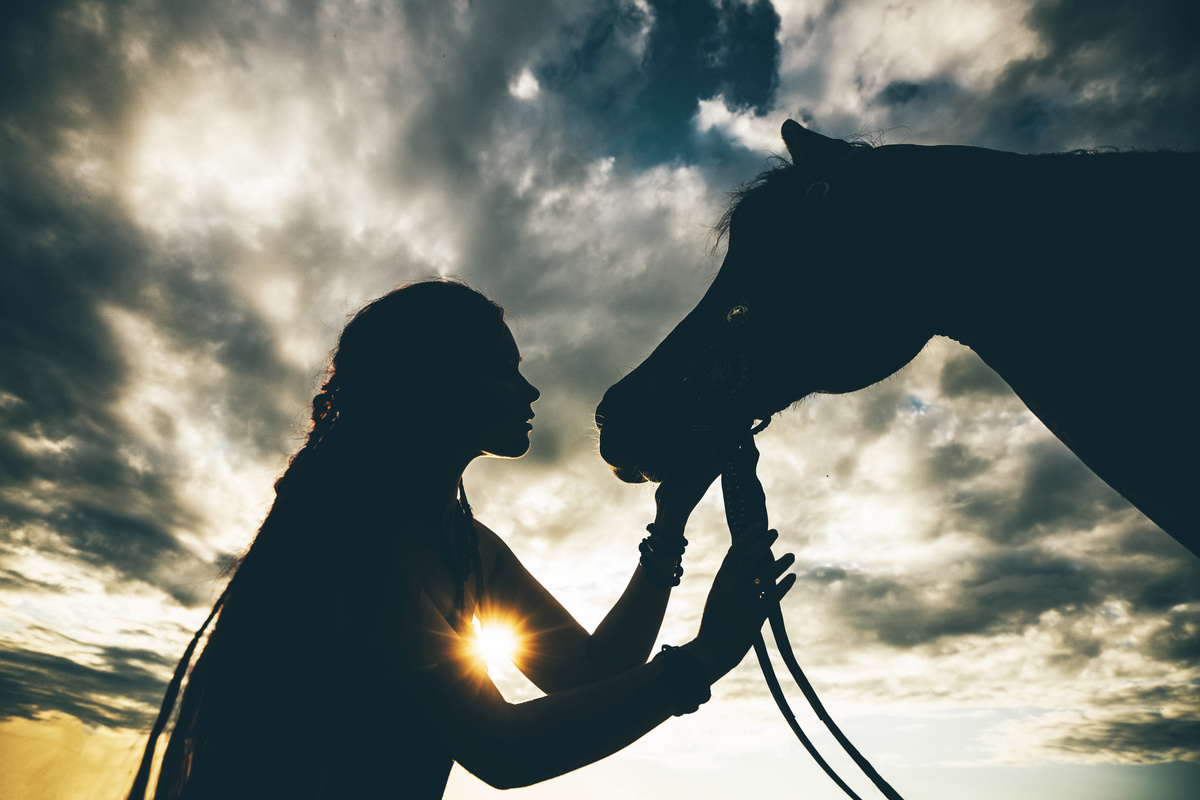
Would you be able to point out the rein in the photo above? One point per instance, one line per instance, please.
(721, 370)
(745, 505)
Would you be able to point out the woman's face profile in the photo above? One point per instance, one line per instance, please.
(497, 402)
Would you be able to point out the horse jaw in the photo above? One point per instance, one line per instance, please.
(653, 425)
(638, 442)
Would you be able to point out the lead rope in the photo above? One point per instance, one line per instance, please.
(746, 505)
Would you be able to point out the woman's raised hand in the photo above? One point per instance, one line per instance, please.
(746, 588)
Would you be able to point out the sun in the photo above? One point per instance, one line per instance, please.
(496, 644)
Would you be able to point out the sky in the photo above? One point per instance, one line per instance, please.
(195, 196)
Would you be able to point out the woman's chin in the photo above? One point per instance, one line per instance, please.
(513, 449)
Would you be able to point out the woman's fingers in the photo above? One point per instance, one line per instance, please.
(750, 554)
(776, 592)
(749, 568)
(769, 576)
(746, 588)
(780, 566)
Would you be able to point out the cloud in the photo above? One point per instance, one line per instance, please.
(1138, 726)
(966, 375)
(1179, 639)
(909, 593)
(63, 450)
(1131, 77)
(640, 70)
(116, 689)
(195, 197)
(1026, 76)
(999, 593)
(1057, 489)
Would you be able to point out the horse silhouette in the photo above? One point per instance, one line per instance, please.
(1069, 274)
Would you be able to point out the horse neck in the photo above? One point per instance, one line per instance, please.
(1062, 273)
(1000, 243)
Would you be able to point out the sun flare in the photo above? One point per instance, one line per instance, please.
(496, 644)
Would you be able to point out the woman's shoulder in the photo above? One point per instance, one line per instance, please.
(494, 552)
(492, 548)
(487, 535)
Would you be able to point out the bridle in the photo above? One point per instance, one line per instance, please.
(745, 506)
(721, 371)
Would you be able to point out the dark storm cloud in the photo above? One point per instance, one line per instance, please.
(33, 684)
(66, 454)
(1144, 724)
(62, 373)
(639, 76)
(60, 256)
(1056, 490)
(999, 593)
(966, 374)
(1006, 590)
(1108, 73)
(953, 462)
(1179, 639)
(469, 63)
(58, 63)
(1150, 737)
(1129, 72)
(907, 97)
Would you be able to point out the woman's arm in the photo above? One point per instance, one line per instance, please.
(562, 655)
(510, 745)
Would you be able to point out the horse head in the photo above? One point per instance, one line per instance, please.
(784, 318)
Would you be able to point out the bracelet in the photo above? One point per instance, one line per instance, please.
(687, 684)
(662, 557)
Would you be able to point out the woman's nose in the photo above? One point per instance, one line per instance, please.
(531, 390)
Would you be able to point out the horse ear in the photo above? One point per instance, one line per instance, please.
(805, 145)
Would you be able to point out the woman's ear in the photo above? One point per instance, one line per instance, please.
(430, 402)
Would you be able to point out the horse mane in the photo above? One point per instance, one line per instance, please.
(781, 177)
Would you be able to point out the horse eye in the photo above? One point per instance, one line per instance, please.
(737, 314)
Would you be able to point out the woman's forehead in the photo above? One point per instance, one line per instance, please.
(499, 342)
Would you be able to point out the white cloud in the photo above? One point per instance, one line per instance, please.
(755, 133)
(836, 69)
(525, 86)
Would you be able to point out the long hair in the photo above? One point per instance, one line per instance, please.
(284, 665)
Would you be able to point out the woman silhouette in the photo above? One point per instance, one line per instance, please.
(339, 663)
